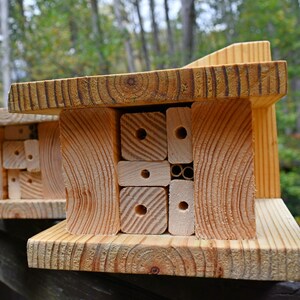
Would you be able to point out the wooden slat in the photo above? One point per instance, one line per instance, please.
(266, 80)
(274, 255)
(179, 127)
(50, 161)
(3, 172)
(33, 209)
(19, 132)
(181, 207)
(143, 210)
(32, 154)
(31, 185)
(143, 173)
(14, 155)
(223, 162)
(14, 187)
(89, 141)
(144, 136)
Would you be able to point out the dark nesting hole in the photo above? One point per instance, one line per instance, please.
(176, 170)
(181, 133)
(29, 180)
(145, 174)
(30, 157)
(188, 173)
(183, 205)
(140, 210)
(17, 152)
(13, 179)
(141, 134)
(21, 131)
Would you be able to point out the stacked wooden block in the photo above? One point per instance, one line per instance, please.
(156, 172)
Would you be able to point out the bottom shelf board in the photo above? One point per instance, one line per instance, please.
(274, 255)
(33, 209)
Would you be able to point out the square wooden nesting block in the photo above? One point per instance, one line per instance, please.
(143, 210)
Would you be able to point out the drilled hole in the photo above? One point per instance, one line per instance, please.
(176, 170)
(13, 179)
(30, 157)
(181, 133)
(17, 152)
(145, 174)
(183, 205)
(188, 173)
(141, 134)
(140, 210)
(29, 180)
(21, 131)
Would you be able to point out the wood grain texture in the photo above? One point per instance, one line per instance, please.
(14, 155)
(3, 171)
(19, 132)
(223, 164)
(89, 141)
(143, 210)
(33, 209)
(51, 161)
(14, 187)
(274, 255)
(181, 207)
(144, 136)
(32, 154)
(7, 118)
(266, 82)
(144, 173)
(266, 161)
(179, 132)
(31, 185)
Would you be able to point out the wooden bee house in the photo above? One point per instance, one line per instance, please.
(170, 172)
(31, 182)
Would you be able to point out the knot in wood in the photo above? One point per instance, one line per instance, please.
(131, 81)
(154, 270)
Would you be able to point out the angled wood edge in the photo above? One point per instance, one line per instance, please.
(274, 255)
(33, 209)
(264, 82)
(7, 118)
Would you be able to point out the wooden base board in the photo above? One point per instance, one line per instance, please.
(274, 255)
(33, 209)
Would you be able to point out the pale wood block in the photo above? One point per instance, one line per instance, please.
(89, 141)
(179, 132)
(31, 185)
(143, 210)
(14, 187)
(223, 164)
(274, 255)
(181, 207)
(143, 136)
(51, 161)
(19, 132)
(144, 173)
(3, 172)
(14, 155)
(32, 153)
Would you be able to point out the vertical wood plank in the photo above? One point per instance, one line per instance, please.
(179, 127)
(50, 161)
(32, 154)
(223, 163)
(90, 155)
(3, 172)
(14, 189)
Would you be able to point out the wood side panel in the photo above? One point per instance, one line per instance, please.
(223, 164)
(90, 154)
(50, 161)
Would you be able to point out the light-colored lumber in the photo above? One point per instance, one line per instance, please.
(181, 207)
(14, 155)
(265, 82)
(32, 154)
(31, 185)
(19, 132)
(50, 161)
(274, 255)
(33, 209)
(14, 187)
(143, 210)
(144, 173)
(266, 161)
(179, 127)
(3, 172)
(144, 136)
(223, 164)
(89, 139)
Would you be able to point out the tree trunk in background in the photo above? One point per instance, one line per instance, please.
(5, 50)
(143, 39)
(98, 36)
(126, 36)
(171, 49)
(188, 24)
(155, 34)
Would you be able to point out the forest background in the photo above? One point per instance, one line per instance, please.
(45, 39)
